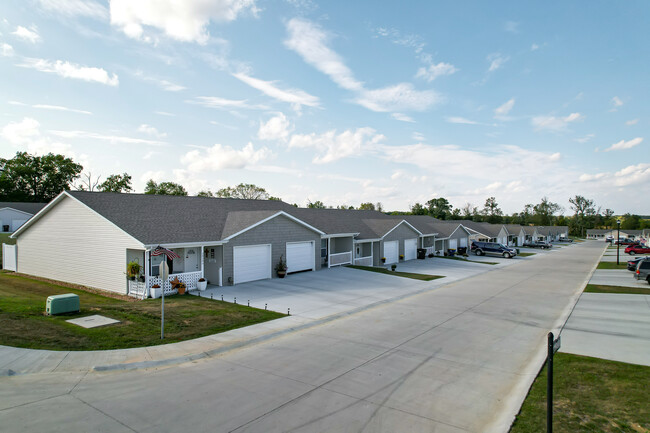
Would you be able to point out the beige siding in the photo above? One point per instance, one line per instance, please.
(72, 243)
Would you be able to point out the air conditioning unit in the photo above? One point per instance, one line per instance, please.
(60, 304)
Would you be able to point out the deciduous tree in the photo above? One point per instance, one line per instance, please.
(164, 188)
(244, 191)
(117, 183)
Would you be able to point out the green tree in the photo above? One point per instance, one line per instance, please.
(418, 209)
(366, 206)
(631, 222)
(584, 212)
(164, 188)
(469, 211)
(439, 208)
(87, 183)
(117, 183)
(205, 193)
(492, 211)
(316, 205)
(33, 178)
(543, 212)
(247, 191)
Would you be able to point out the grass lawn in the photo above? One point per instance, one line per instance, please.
(526, 254)
(613, 265)
(590, 395)
(422, 277)
(4, 239)
(598, 288)
(23, 323)
(465, 260)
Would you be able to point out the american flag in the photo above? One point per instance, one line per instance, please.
(159, 251)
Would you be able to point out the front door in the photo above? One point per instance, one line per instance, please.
(191, 260)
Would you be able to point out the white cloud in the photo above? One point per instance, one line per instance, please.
(434, 71)
(502, 111)
(185, 20)
(277, 128)
(585, 139)
(621, 145)
(162, 83)
(511, 27)
(220, 157)
(310, 42)
(164, 113)
(29, 35)
(496, 61)
(616, 101)
(74, 8)
(26, 135)
(402, 117)
(632, 122)
(399, 97)
(71, 70)
(6, 50)
(114, 139)
(295, 97)
(418, 136)
(223, 103)
(553, 123)
(630, 175)
(150, 130)
(461, 120)
(331, 147)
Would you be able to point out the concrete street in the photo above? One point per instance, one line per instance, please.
(459, 357)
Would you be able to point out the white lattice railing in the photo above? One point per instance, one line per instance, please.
(138, 289)
(430, 250)
(189, 278)
(341, 258)
(363, 261)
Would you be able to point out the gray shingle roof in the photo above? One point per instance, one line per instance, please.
(30, 208)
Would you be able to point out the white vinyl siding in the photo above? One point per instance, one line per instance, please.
(251, 263)
(391, 251)
(74, 244)
(300, 256)
(410, 249)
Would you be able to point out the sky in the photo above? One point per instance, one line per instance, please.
(339, 101)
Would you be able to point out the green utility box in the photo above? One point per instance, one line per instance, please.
(59, 304)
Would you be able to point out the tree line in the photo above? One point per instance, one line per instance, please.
(31, 178)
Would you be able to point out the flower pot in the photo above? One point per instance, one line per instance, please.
(155, 292)
(282, 274)
(201, 285)
(181, 290)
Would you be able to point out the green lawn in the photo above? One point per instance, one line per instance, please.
(613, 265)
(422, 277)
(23, 323)
(598, 288)
(590, 395)
(526, 254)
(465, 260)
(4, 239)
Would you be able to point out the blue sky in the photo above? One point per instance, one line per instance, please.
(338, 101)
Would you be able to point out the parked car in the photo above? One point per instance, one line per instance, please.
(492, 248)
(631, 264)
(625, 242)
(637, 249)
(537, 244)
(609, 239)
(643, 270)
(565, 240)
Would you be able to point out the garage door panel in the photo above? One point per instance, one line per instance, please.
(251, 263)
(453, 244)
(410, 249)
(391, 251)
(463, 242)
(300, 256)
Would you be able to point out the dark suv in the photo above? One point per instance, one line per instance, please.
(643, 270)
(482, 248)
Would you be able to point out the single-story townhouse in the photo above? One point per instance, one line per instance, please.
(87, 238)
(15, 214)
(603, 234)
(516, 234)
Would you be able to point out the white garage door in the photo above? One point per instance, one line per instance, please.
(300, 256)
(453, 244)
(391, 251)
(410, 249)
(251, 263)
(463, 242)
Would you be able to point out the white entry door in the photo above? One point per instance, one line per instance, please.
(453, 244)
(300, 256)
(251, 263)
(391, 251)
(191, 260)
(410, 249)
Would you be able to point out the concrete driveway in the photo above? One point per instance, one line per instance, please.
(617, 277)
(458, 358)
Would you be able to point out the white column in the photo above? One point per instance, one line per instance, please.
(202, 261)
(147, 267)
(329, 262)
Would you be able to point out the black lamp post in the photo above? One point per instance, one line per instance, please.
(618, 239)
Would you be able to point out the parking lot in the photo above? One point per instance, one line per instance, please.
(315, 295)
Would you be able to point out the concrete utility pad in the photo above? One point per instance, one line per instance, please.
(617, 277)
(93, 321)
(610, 326)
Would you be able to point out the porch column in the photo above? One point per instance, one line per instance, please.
(329, 262)
(202, 261)
(147, 267)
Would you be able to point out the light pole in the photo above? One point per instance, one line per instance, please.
(618, 239)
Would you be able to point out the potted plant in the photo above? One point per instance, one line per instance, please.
(393, 267)
(155, 291)
(202, 284)
(181, 288)
(133, 269)
(401, 256)
(383, 259)
(430, 255)
(281, 268)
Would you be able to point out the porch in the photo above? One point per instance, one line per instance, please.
(363, 253)
(339, 250)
